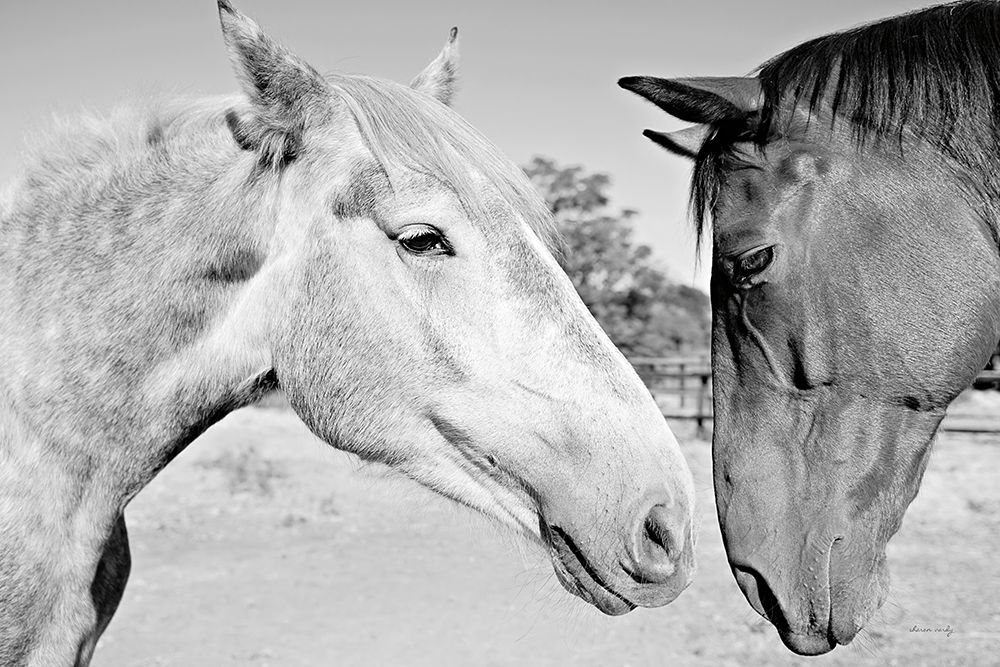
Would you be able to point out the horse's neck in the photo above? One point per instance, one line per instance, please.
(128, 308)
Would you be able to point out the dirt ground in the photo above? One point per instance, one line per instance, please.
(261, 546)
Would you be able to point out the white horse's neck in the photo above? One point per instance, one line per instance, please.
(116, 365)
(133, 308)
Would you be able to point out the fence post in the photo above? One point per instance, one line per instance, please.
(680, 373)
(702, 395)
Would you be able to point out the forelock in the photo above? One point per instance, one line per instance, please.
(409, 131)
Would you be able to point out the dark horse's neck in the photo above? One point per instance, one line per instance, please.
(127, 308)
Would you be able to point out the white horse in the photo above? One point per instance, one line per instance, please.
(353, 241)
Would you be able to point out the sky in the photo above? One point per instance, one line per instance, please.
(537, 78)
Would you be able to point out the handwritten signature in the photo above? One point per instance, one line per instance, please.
(945, 630)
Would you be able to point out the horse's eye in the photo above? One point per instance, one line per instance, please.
(425, 240)
(751, 263)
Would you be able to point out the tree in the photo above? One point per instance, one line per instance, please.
(644, 313)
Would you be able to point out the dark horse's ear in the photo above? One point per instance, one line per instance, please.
(439, 78)
(284, 91)
(686, 142)
(706, 100)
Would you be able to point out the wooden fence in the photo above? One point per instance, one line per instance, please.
(682, 387)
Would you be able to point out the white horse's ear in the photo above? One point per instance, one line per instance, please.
(686, 142)
(284, 91)
(440, 77)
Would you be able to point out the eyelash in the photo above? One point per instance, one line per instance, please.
(425, 241)
(746, 266)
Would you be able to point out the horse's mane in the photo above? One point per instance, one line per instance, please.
(84, 146)
(933, 74)
(403, 129)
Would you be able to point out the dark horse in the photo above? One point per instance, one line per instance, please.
(854, 190)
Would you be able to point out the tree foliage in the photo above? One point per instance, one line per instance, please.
(643, 311)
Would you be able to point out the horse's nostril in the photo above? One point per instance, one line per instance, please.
(661, 543)
(661, 534)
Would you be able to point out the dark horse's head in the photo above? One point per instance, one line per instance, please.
(853, 190)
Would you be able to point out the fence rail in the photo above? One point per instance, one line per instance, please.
(682, 387)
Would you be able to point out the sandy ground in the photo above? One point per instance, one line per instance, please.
(261, 546)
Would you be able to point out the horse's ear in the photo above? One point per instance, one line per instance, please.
(686, 142)
(439, 78)
(706, 100)
(283, 89)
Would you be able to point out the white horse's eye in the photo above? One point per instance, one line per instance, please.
(425, 240)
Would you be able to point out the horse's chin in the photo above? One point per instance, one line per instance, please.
(853, 602)
(840, 632)
(577, 577)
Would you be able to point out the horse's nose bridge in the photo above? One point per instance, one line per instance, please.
(616, 456)
(603, 403)
(597, 363)
(593, 412)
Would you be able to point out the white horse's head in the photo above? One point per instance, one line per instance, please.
(416, 317)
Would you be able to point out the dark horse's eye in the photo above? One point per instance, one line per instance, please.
(749, 264)
(425, 240)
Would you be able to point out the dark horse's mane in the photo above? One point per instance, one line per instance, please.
(933, 74)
